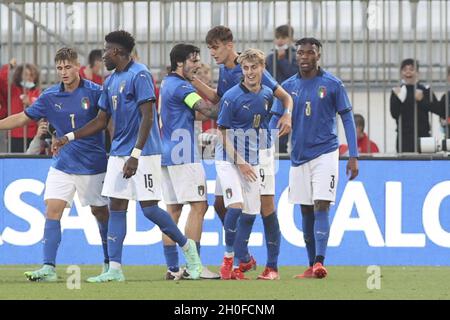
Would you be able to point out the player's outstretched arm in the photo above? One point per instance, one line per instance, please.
(130, 167)
(285, 122)
(14, 121)
(205, 90)
(94, 126)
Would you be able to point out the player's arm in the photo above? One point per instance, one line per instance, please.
(204, 89)
(246, 169)
(195, 102)
(94, 126)
(14, 121)
(130, 167)
(350, 133)
(285, 122)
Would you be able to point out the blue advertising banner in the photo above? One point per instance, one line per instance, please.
(394, 213)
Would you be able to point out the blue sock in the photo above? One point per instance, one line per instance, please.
(117, 229)
(197, 244)
(230, 226)
(273, 239)
(103, 228)
(52, 238)
(321, 233)
(163, 220)
(171, 254)
(308, 236)
(244, 229)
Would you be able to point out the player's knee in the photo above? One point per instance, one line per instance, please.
(321, 205)
(307, 209)
(237, 205)
(267, 206)
(219, 206)
(100, 213)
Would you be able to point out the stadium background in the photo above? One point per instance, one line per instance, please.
(364, 43)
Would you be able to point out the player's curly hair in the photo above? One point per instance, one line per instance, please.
(123, 38)
(219, 33)
(311, 41)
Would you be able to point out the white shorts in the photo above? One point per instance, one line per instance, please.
(145, 185)
(184, 183)
(267, 171)
(315, 180)
(236, 189)
(62, 186)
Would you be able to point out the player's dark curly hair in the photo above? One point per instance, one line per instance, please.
(180, 53)
(311, 41)
(123, 38)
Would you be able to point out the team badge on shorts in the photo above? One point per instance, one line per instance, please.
(229, 193)
(322, 92)
(85, 103)
(122, 86)
(201, 190)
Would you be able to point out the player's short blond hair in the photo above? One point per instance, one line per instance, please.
(252, 55)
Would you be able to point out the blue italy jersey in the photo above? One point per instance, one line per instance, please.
(123, 93)
(177, 122)
(228, 78)
(67, 112)
(316, 102)
(243, 111)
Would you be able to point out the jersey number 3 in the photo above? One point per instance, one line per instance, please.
(308, 108)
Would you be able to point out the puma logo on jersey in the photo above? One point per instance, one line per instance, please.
(245, 106)
(294, 93)
(58, 106)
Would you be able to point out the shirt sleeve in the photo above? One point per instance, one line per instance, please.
(144, 90)
(225, 117)
(38, 109)
(186, 93)
(103, 101)
(220, 84)
(342, 102)
(269, 81)
(277, 106)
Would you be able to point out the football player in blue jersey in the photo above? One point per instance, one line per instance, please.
(68, 106)
(242, 112)
(318, 96)
(220, 43)
(134, 165)
(184, 179)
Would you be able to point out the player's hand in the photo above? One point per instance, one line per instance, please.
(42, 129)
(352, 168)
(58, 144)
(248, 172)
(419, 95)
(130, 167)
(284, 124)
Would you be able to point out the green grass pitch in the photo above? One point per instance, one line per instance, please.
(146, 282)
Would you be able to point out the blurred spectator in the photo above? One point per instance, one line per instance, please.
(205, 75)
(444, 108)
(93, 71)
(365, 145)
(282, 63)
(42, 141)
(411, 103)
(24, 91)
